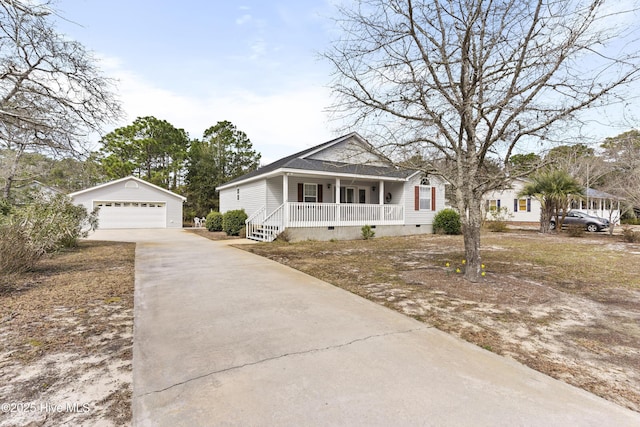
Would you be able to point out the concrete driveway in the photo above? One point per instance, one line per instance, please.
(223, 337)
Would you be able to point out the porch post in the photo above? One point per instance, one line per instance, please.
(381, 199)
(285, 199)
(337, 199)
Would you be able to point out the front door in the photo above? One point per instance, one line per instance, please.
(362, 195)
(353, 195)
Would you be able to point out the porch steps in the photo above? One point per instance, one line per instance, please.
(264, 233)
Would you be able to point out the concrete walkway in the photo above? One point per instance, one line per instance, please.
(223, 337)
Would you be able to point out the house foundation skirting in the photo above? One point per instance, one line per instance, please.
(353, 233)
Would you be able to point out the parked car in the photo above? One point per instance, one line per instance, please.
(590, 223)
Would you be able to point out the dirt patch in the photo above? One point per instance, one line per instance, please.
(564, 306)
(211, 235)
(66, 337)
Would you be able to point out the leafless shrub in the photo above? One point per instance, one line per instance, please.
(629, 235)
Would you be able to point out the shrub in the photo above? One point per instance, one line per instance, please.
(497, 226)
(447, 221)
(575, 230)
(214, 221)
(17, 254)
(631, 221)
(233, 222)
(45, 225)
(497, 220)
(630, 236)
(367, 232)
(55, 222)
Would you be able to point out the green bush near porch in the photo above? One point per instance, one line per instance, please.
(233, 222)
(214, 221)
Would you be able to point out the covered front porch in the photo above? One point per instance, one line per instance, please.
(316, 201)
(600, 204)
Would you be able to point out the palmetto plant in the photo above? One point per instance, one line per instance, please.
(554, 189)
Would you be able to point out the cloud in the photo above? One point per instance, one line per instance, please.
(278, 124)
(258, 48)
(244, 19)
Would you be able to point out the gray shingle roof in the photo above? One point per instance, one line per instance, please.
(597, 194)
(298, 161)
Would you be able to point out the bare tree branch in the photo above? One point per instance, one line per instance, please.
(463, 83)
(52, 93)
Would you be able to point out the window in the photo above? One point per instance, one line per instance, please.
(425, 198)
(493, 205)
(310, 193)
(522, 205)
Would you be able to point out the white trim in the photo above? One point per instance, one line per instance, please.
(310, 173)
(107, 184)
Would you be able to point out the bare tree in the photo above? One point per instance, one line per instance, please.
(622, 153)
(465, 83)
(52, 94)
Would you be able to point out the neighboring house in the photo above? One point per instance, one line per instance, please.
(527, 209)
(331, 191)
(36, 186)
(132, 203)
(24, 193)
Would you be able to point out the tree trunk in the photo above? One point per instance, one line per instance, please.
(471, 223)
(545, 217)
(6, 193)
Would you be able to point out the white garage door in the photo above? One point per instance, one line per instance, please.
(131, 214)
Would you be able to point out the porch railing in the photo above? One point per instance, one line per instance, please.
(342, 214)
(266, 228)
(254, 222)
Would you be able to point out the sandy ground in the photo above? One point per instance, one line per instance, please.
(66, 334)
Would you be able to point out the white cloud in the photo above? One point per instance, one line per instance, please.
(244, 19)
(258, 48)
(278, 124)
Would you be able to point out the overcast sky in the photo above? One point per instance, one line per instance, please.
(194, 63)
(252, 62)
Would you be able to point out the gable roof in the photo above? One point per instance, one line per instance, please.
(126, 178)
(301, 161)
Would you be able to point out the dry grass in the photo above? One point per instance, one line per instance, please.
(66, 335)
(211, 235)
(567, 307)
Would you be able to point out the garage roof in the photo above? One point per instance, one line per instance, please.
(127, 178)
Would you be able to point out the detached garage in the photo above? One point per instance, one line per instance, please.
(132, 203)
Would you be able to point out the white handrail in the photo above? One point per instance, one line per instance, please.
(266, 228)
(342, 214)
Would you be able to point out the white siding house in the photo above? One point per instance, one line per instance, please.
(331, 191)
(131, 202)
(527, 209)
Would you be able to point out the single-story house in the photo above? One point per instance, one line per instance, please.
(131, 202)
(330, 191)
(527, 209)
